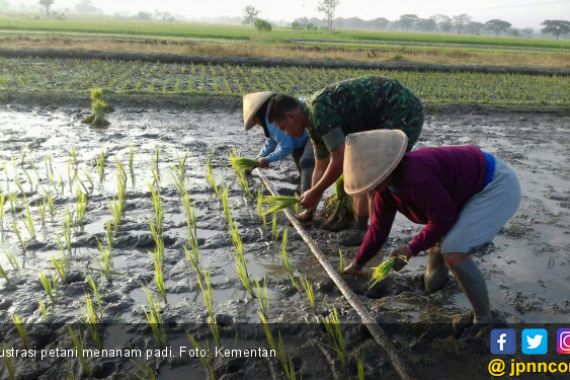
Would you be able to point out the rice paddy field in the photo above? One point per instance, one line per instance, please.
(140, 235)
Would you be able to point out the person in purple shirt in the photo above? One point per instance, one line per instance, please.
(278, 145)
(462, 196)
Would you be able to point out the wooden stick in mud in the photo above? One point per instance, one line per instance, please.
(401, 367)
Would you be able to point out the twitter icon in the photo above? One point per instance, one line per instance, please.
(534, 341)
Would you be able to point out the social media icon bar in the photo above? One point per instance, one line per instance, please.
(504, 342)
(534, 341)
(563, 341)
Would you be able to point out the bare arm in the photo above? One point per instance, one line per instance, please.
(319, 170)
(332, 172)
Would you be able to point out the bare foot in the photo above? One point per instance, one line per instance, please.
(305, 216)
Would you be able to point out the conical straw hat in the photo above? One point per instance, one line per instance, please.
(370, 157)
(251, 104)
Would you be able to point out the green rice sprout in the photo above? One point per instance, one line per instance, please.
(243, 275)
(2, 205)
(42, 210)
(101, 166)
(78, 344)
(106, 259)
(336, 338)
(157, 206)
(155, 166)
(18, 233)
(159, 277)
(81, 209)
(337, 209)
(121, 180)
(191, 221)
(226, 206)
(158, 242)
(179, 174)
(380, 272)
(99, 108)
(67, 223)
(341, 261)
(95, 290)
(48, 288)
(90, 321)
(89, 179)
(9, 362)
(267, 330)
(309, 292)
(278, 203)
(206, 360)
(14, 203)
(29, 221)
(241, 165)
(132, 163)
(211, 178)
(262, 296)
(3, 274)
(19, 186)
(360, 371)
(116, 207)
(12, 259)
(43, 310)
(61, 266)
(259, 207)
(279, 347)
(21, 329)
(205, 287)
(28, 178)
(286, 262)
(50, 203)
(193, 256)
(72, 167)
(154, 319)
(274, 228)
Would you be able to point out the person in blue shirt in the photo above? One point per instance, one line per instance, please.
(278, 145)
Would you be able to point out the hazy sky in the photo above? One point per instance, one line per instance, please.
(521, 13)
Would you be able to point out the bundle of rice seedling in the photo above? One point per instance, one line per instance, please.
(99, 108)
(381, 271)
(337, 211)
(240, 164)
(278, 203)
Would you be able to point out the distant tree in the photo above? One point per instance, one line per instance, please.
(426, 25)
(379, 23)
(443, 22)
(460, 21)
(527, 32)
(497, 26)
(4, 5)
(556, 27)
(328, 7)
(262, 25)
(250, 13)
(408, 21)
(86, 6)
(46, 4)
(144, 15)
(474, 27)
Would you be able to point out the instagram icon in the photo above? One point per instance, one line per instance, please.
(563, 341)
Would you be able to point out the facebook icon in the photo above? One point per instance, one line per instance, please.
(503, 342)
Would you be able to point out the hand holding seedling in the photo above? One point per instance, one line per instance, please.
(353, 268)
(310, 199)
(262, 163)
(401, 257)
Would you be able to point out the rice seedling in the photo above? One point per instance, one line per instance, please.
(72, 167)
(9, 362)
(243, 275)
(121, 180)
(337, 210)
(95, 290)
(12, 259)
(50, 204)
(211, 178)
(286, 262)
(19, 186)
(89, 179)
(14, 203)
(80, 209)
(158, 242)
(3, 274)
(336, 338)
(157, 206)
(259, 207)
(274, 228)
(91, 320)
(67, 223)
(360, 371)
(380, 272)
(116, 207)
(101, 166)
(262, 296)
(43, 310)
(191, 221)
(179, 174)
(193, 256)
(61, 267)
(29, 221)
(241, 165)
(42, 210)
(21, 329)
(278, 203)
(78, 344)
(226, 206)
(99, 108)
(159, 277)
(279, 347)
(155, 166)
(2, 205)
(206, 360)
(48, 288)
(106, 258)
(309, 292)
(154, 319)
(132, 163)
(205, 287)
(18, 233)
(29, 179)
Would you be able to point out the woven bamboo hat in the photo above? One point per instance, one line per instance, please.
(251, 104)
(370, 157)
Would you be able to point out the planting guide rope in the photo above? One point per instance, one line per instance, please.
(401, 367)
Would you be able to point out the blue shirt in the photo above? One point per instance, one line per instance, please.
(278, 145)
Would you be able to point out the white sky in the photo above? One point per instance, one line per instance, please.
(521, 13)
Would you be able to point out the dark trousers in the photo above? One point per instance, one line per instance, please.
(304, 158)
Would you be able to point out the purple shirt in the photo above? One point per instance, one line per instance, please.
(430, 186)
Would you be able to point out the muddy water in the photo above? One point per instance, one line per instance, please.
(526, 268)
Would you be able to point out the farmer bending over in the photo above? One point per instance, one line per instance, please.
(349, 106)
(277, 144)
(462, 195)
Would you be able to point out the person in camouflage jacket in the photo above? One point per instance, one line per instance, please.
(349, 106)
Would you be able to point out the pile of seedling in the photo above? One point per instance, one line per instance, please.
(99, 109)
(338, 212)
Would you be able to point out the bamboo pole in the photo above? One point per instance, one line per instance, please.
(401, 367)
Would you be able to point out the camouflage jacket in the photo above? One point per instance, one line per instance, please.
(361, 104)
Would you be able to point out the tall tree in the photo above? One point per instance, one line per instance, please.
(497, 26)
(443, 22)
(250, 13)
(427, 25)
(328, 7)
(46, 4)
(460, 21)
(408, 21)
(556, 27)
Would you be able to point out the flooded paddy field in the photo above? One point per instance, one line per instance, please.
(59, 194)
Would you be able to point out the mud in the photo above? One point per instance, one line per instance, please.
(526, 267)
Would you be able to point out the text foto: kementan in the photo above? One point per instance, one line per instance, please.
(224, 352)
